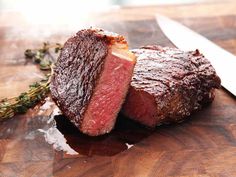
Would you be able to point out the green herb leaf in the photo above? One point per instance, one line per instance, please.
(29, 54)
(38, 90)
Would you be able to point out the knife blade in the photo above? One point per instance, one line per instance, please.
(186, 39)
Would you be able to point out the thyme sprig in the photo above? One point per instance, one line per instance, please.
(38, 90)
(20, 104)
(43, 56)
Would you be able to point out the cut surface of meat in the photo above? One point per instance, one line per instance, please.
(168, 85)
(91, 79)
(108, 96)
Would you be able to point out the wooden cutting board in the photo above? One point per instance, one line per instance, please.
(204, 145)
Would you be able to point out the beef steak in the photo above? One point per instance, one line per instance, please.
(168, 85)
(91, 78)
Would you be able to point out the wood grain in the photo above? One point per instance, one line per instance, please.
(204, 145)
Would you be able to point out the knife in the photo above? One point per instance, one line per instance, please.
(185, 39)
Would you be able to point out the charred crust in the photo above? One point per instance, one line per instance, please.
(78, 69)
(109, 37)
(181, 82)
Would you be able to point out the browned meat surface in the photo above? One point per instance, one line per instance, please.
(168, 85)
(91, 79)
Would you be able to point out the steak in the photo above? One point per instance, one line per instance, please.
(168, 85)
(91, 79)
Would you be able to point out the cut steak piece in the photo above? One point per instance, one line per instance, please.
(91, 79)
(168, 85)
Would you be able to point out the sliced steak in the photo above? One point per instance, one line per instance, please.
(91, 79)
(168, 85)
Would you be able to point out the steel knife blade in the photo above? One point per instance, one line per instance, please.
(186, 39)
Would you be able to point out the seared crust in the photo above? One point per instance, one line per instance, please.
(180, 82)
(78, 69)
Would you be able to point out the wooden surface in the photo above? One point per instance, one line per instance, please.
(204, 145)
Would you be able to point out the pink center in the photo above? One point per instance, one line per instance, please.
(108, 96)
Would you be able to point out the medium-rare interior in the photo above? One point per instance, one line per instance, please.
(91, 78)
(168, 85)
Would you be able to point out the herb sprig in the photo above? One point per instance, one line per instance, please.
(37, 91)
(20, 104)
(43, 56)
